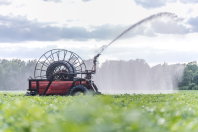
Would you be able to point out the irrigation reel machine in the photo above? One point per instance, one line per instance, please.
(62, 72)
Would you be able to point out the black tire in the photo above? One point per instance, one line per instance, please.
(32, 93)
(78, 89)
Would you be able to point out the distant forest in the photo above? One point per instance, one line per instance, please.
(118, 75)
(14, 73)
(190, 77)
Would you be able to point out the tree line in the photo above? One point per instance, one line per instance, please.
(190, 77)
(119, 75)
(14, 73)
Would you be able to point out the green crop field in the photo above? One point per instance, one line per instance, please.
(101, 113)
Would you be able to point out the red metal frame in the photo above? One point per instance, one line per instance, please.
(45, 87)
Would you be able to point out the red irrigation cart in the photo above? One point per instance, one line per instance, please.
(62, 72)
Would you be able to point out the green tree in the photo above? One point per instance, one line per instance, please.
(191, 86)
(190, 75)
(195, 88)
(183, 88)
(13, 73)
(192, 66)
(195, 78)
(187, 78)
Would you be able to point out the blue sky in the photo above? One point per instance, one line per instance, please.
(29, 28)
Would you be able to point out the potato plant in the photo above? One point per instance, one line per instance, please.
(100, 113)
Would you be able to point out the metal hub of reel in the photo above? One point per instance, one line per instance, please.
(58, 61)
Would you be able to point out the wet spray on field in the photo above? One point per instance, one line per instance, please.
(136, 75)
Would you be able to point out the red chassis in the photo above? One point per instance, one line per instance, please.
(54, 87)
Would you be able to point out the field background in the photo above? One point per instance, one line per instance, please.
(100, 113)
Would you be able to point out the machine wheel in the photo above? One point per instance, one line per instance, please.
(77, 90)
(31, 93)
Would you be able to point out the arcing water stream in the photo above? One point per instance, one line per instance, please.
(162, 14)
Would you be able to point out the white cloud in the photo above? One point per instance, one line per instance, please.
(164, 48)
(96, 13)
(150, 4)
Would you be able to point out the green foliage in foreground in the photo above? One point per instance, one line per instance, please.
(101, 113)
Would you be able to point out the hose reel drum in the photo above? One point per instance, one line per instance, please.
(58, 61)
